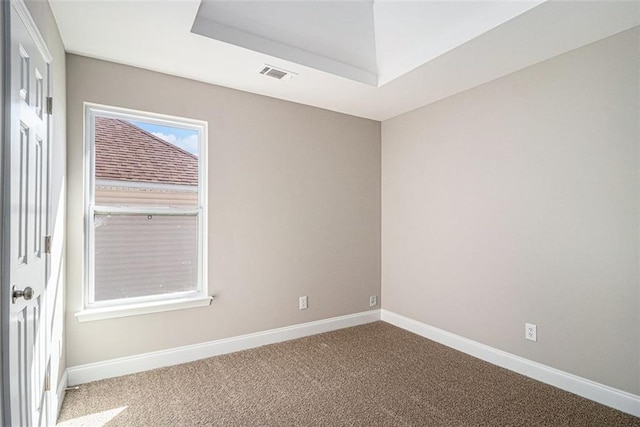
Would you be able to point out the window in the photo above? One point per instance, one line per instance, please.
(145, 213)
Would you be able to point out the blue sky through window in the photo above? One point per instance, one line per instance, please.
(184, 138)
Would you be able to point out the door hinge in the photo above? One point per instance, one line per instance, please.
(47, 382)
(49, 105)
(47, 244)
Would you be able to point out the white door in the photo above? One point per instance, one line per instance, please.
(28, 175)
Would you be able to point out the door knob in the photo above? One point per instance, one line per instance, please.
(27, 294)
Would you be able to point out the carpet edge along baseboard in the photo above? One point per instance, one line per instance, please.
(609, 396)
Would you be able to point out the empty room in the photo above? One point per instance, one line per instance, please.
(320, 213)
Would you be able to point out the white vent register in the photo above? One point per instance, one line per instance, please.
(277, 73)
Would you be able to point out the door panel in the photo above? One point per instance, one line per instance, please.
(23, 211)
(28, 176)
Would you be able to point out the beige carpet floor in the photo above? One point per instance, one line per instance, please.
(370, 375)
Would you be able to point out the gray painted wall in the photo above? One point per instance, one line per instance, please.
(517, 201)
(294, 209)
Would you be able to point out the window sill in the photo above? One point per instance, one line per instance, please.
(91, 314)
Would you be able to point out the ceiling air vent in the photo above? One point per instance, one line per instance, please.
(277, 73)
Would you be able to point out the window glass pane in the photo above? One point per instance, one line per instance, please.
(144, 255)
(144, 164)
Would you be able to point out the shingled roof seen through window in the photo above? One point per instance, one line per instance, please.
(125, 152)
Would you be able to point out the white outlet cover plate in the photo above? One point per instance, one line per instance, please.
(531, 332)
(303, 303)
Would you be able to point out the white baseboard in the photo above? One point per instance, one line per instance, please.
(147, 361)
(600, 393)
(609, 396)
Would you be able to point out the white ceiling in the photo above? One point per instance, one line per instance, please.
(407, 53)
(333, 36)
(366, 41)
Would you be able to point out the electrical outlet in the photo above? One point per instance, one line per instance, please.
(373, 301)
(531, 332)
(303, 303)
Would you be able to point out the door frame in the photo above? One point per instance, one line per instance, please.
(5, 138)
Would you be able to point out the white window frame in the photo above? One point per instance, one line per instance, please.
(97, 310)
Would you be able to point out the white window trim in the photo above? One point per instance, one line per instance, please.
(99, 310)
(91, 314)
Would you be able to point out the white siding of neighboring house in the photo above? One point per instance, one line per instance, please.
(129, 196)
